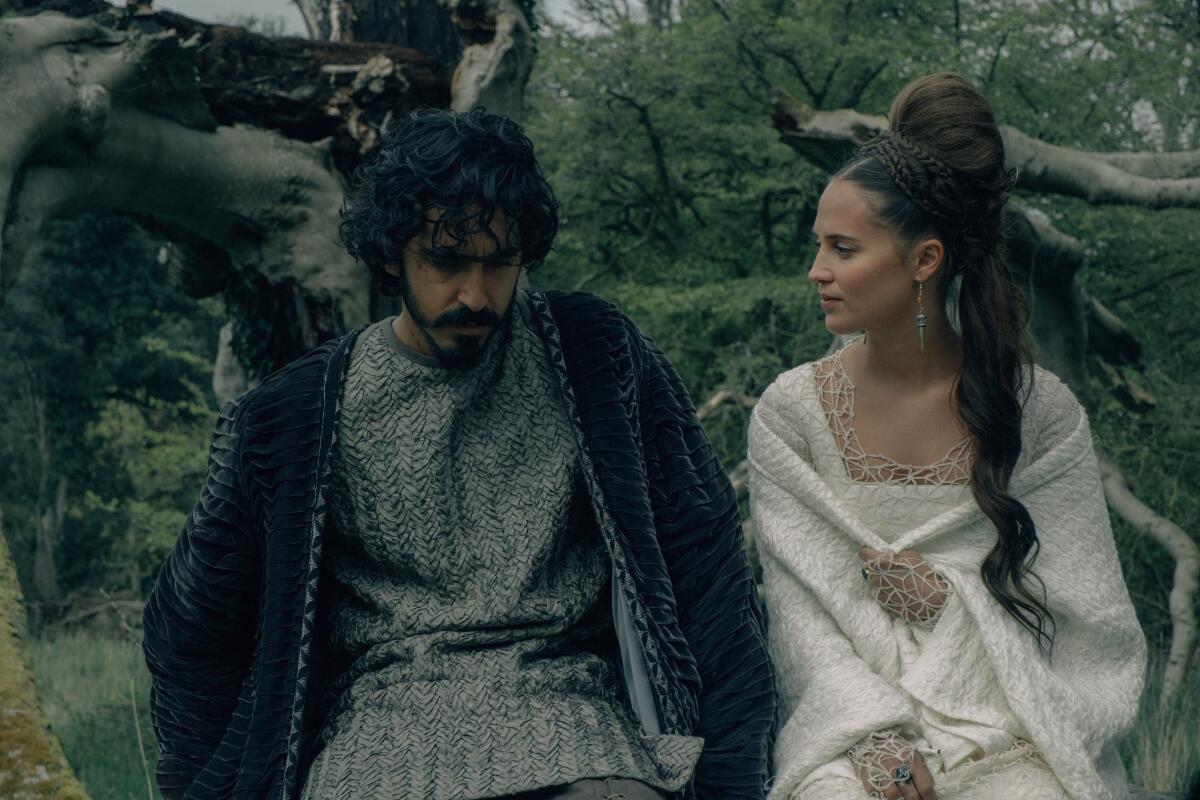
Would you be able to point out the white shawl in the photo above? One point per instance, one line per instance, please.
(839, 670)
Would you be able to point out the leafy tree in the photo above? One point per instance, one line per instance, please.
(109, 366)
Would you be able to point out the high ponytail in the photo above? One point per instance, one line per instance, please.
(940, 170)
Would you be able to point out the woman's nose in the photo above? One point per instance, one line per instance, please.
(818, 273)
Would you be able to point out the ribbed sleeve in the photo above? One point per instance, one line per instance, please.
(199, 618)
(699, 530)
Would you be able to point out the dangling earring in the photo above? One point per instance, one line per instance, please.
(921, 314)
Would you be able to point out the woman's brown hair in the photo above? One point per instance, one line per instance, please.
(939, 170)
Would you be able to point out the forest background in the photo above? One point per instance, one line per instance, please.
(684, 206)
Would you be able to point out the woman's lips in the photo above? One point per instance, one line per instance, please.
(827, 301)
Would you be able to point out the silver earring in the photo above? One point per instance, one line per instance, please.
(921, 319)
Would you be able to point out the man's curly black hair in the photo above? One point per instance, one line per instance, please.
(469, 165)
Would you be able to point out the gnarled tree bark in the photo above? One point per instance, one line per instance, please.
(234, 144)
(487, 47)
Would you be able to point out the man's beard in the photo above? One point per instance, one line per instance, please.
(466, 350)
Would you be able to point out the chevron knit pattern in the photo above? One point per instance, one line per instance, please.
(470, 631)
(234, 641)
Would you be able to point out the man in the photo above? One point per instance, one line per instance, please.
(482, 549)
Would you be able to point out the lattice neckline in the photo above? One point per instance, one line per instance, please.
(837, 399)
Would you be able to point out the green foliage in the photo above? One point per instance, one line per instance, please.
(162, 462)
(1145, 271)
(110, 367)
(707, 332)
(667, 173)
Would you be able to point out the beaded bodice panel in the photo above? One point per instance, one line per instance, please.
(837, 399)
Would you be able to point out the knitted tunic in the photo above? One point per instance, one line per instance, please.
(470, 622)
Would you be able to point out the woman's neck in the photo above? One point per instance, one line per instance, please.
(894, 358)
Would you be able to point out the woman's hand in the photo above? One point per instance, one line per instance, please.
(889, 767)
(905, 585)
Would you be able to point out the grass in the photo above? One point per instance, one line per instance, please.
(1162, 753)
(91, 687)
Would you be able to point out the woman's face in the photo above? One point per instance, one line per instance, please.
(858, 269)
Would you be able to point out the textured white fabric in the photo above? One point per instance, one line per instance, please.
(975, 686)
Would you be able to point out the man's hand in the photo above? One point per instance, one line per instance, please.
(905, 585)
(883, 758)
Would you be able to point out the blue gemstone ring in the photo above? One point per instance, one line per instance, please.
(903, 773)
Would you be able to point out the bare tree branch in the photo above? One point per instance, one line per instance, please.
(864, 81)
(1109, 337)
(666, 199)
(721, 398)
(1186, 553)
(1179, 164)
(826, 136)
(1067, 171)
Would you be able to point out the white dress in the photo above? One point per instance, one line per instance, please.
(986, 752)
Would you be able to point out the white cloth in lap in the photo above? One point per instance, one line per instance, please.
(846, 668)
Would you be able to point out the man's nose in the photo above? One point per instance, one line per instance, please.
(471, 293)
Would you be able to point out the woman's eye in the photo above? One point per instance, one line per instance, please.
(843, 251)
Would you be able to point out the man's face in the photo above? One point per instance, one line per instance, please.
(456, 295)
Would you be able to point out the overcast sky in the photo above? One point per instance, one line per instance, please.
(221, 10)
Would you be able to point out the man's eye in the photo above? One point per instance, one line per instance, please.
(844, 251)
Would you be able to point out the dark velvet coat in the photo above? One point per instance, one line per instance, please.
(233, 626)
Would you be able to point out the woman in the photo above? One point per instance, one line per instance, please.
(947, 613)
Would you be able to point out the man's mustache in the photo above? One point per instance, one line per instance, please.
(465, 316)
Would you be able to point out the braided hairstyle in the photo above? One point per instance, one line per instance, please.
(939, 170)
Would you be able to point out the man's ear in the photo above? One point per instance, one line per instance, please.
(928, 257)
(393, 269)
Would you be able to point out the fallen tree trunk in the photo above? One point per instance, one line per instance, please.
(230, 142)
(1099, 178)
